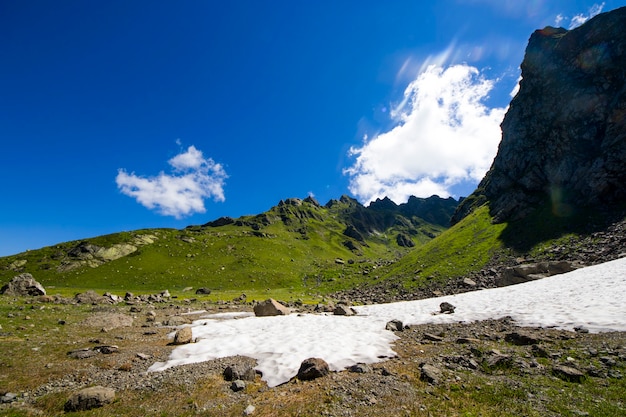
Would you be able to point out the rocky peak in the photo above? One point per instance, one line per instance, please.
(564, 135)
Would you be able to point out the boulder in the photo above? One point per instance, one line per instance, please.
(568, 373)
(23, 285)
(242, 372)
(343, 310)
(88, 398)
(430, 374)
(183, 336)
(531, 271)
(270, 307)
(312, 368)
(395, 325)
(203, 291)
(446, 308)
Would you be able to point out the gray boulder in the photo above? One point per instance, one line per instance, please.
(88, 398)
(270, 307)
(183, 336)
(23, 285)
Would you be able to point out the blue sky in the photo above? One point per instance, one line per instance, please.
(122, 115)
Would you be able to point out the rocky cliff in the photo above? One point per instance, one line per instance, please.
(564, 135)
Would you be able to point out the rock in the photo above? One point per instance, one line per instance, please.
(91, 297)
(107, 349)
(312, 368)
(446, 308)
(430, 374)
(270, 307)
(203, 291)
(23, 285)
(7, 398)
(568, 373)
(468, 282)
(432, 337)
(89, 398)
(394, 325)
(108, 321)
(563, 133)
(360, 368)
(404, 241)
(343, 310)
(238, 385)
(243, 372)
(183, 336)
(176, 321)
(249, 410)
(528, 272)
(522, 338)
(82, 353)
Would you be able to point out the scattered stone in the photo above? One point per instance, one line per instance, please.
(568, 373)
(344, 310)
(176, 321)
(446, 308)
(203, 291)
(89, 398)
(243, 372)
(238, 385)
(395, 325)
(249, 410)
(107, 350)
(23, 285)
(183, 336)
(7, 398)
(312, 368)
(270, 307)
(108, 321)
(469, 282)
(433, 338)
(143, 356)
(465, 340)
(581, 329)
(430, 374)
(82, 353)
(360, 368)
(522, 338)
(91, 297)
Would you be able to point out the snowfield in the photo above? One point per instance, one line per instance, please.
(591, 297)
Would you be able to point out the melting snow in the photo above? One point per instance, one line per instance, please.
(591, 297)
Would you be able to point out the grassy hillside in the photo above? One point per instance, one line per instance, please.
(297, 247)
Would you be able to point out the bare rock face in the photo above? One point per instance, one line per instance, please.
(270, 307)
(88, 398)
(564, 135)
(23, 285)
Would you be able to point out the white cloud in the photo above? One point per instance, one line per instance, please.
(581, 18)
(182, 193)
(444, 135)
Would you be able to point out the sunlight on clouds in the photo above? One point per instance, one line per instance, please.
(444, 135)
(581, 18)
(182, 193)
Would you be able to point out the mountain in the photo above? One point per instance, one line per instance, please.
(296, 246)
(564, 134)
(556, 190)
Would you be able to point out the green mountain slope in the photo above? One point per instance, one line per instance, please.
(297, 247)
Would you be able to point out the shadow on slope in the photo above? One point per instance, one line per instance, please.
(548, 223)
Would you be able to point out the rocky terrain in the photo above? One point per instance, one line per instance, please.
(492, 366)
